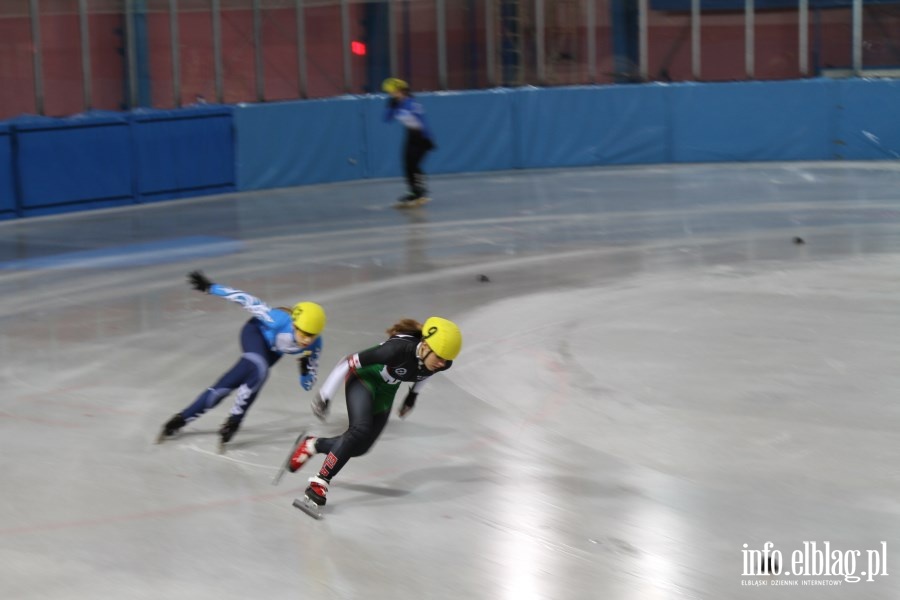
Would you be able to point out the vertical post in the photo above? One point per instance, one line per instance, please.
(217, 50)
(345, 46)
(407, 41)
(84, 32)
(540, 47)
(857, 37)
(376, 31)
(749, 38)
(473, 62)
(258, 52)
(643, 42)
(592, 40)
(441, 24)
(37, 56)
(300, 13)
(144, 96)
(174, 40)
(695, 39)
(489, 47)
(392, 37)
(131, 54)
(803, 37)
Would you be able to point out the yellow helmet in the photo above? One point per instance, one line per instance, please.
(443, 337)
(392, 84)
(308, 317)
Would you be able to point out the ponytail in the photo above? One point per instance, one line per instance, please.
(405, 326)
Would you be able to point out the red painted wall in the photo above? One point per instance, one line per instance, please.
(722, 45)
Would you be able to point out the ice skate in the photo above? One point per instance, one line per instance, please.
(320, 406)
(308, 506)
(286, 465)
(412, 201)
(171, 427)
(303, 452)
(405, 201)
(227, 431)
(314, 499)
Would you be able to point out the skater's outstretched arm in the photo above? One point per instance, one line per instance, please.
(252, 304)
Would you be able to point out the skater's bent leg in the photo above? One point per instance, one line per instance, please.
(326, 445)
(418, 147)
(244, 371)
(251, 386)
(257, 352)
(410, 164)
(205, 401)
(230, 381)
(378, 423)
(364, 429)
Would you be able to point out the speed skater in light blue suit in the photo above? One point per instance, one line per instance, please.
(269, 334)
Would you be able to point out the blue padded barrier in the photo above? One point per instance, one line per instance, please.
(111, 159)
(85, 160)
(868, 120)
(752, 121)
(487, 130)
(568, 127)
(473, 132)
(299, 143)
(384, 141)
(186, 152)
(7, 181)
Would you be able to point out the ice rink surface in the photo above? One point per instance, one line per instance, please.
(653, 375)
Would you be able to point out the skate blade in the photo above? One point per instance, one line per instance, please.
(412, 203)
(222, 447)
(287, 461)
(309, 507)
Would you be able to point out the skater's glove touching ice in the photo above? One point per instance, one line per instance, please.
(408, 404)
(199, 281)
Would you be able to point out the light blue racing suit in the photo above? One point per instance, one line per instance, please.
(264, 339)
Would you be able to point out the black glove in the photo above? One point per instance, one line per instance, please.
(199, 281)
(408, 404)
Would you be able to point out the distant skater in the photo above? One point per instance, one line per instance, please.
(404, 108)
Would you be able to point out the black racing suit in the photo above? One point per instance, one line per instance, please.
(374, 376)
(419, 141)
